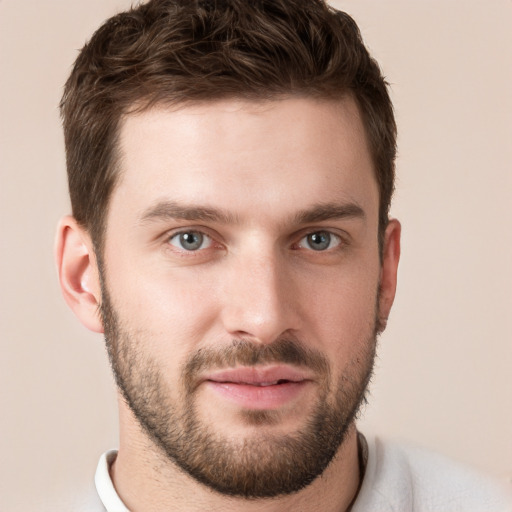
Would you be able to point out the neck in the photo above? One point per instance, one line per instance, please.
(147, 481)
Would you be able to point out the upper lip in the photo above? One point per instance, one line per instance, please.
(259, 375)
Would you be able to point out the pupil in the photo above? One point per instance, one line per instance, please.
(191, 241)
(319, 241)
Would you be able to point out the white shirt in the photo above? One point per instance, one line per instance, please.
(402, 478)
(397, 479)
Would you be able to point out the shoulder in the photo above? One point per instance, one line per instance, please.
(89, 502)
(82, 497)
(400, 477)
(83, 500)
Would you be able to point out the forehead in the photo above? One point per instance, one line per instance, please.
(247, 156)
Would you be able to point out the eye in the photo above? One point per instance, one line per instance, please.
(320, 241)
(190, 240)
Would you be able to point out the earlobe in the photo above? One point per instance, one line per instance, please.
(78, 272)
(389, 270)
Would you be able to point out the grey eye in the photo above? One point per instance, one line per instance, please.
(190, 240)
(320, 241)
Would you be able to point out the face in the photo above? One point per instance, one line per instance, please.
(240, 283)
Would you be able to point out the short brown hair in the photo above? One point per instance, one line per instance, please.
(177, 51)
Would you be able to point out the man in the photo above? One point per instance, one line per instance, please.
(231, 167)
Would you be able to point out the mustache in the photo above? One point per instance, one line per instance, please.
(243, 352)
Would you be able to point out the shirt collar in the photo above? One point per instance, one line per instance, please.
(104, 485)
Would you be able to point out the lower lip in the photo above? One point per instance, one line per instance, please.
(259, 397)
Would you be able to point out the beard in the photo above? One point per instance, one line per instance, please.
(263, 464)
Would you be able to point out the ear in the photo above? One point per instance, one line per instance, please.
(78, 272)
(389, 269)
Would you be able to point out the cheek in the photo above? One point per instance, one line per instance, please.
(168, 312)
(343, 313)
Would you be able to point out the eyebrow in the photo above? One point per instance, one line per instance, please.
(173, 210)
(165, 210)
(330, 211)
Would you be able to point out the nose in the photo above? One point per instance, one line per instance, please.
(260, 300)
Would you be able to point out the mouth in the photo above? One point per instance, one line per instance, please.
(259, 388)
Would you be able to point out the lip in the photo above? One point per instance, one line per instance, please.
(261, 388)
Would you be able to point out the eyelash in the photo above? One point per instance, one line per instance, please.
(205, 237)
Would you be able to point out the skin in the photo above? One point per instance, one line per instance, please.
(263, 164)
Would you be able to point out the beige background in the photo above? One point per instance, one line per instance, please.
(444, 376)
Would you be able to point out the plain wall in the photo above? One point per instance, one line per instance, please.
(443, 377)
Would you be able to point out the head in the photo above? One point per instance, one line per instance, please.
(231, 167)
